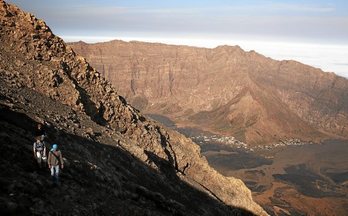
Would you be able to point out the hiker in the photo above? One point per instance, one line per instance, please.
(55, 160)
(39, 149)
(40, 131)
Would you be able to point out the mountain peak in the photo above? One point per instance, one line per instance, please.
(228, 47)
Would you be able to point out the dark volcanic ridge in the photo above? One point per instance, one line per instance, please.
(225, 90)
(117, 161)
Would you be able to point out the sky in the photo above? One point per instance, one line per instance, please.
(312, 32)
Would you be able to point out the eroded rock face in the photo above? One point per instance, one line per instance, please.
(32, 58)
(225, 90)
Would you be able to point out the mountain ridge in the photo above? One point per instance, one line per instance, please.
(183, 82)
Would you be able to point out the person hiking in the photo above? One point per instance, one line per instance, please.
(40, 131)
(55, 160)
(39, 149)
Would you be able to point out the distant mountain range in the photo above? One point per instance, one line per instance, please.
(225, 90)
(117, 161)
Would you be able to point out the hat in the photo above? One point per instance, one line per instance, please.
(54, 147)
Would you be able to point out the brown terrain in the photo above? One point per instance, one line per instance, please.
(225, 90)
(118, 162)
(306, 180)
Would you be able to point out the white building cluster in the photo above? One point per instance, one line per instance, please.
(234, 143)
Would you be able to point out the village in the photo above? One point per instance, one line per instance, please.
(232, 142)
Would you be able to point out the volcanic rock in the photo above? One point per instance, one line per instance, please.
(225, 90)
(118, 162)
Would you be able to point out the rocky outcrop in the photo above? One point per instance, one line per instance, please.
(225, 90)
(43, 78)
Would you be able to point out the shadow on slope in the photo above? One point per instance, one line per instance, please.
(98, 179)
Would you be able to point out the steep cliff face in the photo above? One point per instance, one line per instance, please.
(42, 78)
(226, 90)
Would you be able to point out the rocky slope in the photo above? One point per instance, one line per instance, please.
(225, 90)
(118, 161)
